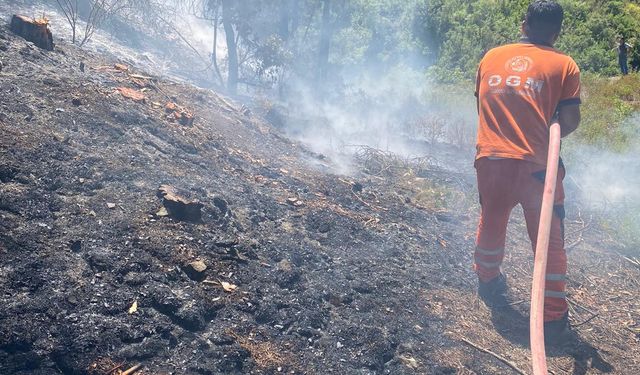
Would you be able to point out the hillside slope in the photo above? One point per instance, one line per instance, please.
(307, 271)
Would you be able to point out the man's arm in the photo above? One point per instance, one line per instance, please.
(569, 118)
(477, 93)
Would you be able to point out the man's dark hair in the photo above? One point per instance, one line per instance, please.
(544, 18)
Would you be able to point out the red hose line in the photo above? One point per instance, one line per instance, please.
(536, 324)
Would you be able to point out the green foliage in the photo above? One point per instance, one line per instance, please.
(462, 31)
(459, 32)
(608, 103)
(377, 31)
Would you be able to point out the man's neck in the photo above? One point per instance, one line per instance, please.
(526, 39)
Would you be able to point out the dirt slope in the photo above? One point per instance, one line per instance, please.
(367, 274)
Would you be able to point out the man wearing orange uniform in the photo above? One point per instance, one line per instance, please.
(521, 88)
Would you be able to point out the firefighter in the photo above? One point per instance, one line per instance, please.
(520, 89)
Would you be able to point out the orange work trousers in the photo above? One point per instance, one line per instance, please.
(502, 184)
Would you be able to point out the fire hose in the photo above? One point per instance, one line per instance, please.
(536, 323)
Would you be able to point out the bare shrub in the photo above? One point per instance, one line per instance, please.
(431, 128)
(384, 163)
(460, 133)
(99, 11)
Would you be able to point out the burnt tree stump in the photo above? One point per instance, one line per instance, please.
(36, 31)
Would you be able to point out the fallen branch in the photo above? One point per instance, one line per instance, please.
(496, 356)
(633, 261)
(633, 330)
(114, 369)
(132, 369)
(572, 302)
(573, 244)
(580, 230)
(586, 321)
(360, 199)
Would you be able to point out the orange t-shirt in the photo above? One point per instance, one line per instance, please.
(519, 88)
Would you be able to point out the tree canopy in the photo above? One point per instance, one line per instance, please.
(268, 42)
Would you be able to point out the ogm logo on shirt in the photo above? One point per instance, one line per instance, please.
(519, 64)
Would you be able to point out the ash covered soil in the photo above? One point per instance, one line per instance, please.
(307, 271)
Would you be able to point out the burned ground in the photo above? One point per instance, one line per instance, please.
(307, 271)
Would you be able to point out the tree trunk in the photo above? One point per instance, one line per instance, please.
(325, 41)
(232, 52)
(214, 54)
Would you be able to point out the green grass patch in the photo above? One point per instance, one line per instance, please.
(607, 104)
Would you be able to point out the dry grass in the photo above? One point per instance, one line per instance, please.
(264, 353)
(407, 175)
(387, 164)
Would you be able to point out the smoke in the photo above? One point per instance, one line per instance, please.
(367, 112)
(604, 176)
(607, 178)
(395, 112)
(606, 182)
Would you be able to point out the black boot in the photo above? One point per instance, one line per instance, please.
(557, 332)
(493, 292)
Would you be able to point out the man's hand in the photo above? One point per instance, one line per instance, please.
(569, 119)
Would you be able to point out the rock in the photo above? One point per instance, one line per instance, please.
(36, 31)
(76, 101)
(179, 207)
(179, 114)
(196, 270)
(162, 212)
(295, 202)
(111, 206)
